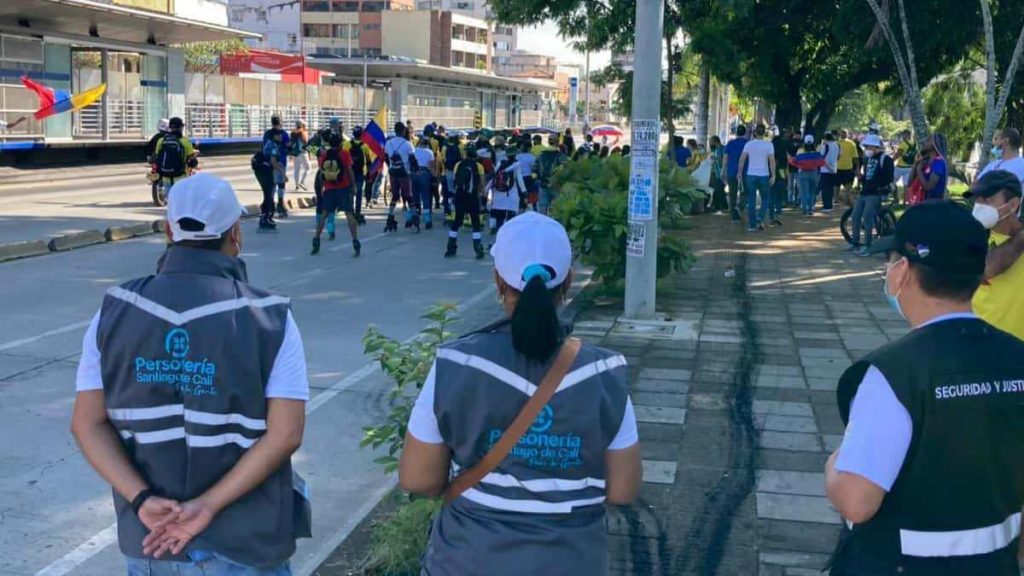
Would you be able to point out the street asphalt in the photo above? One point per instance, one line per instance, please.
(55, 512)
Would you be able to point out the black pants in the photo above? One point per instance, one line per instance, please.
(466, 204)
(734, 199)
(718, 198)
(500, 217)
(828, 190)
(265, 177)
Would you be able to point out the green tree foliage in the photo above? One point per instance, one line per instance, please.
(204, 57)
(955, 106)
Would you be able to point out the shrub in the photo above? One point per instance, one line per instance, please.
(592, 200)
(400, 538)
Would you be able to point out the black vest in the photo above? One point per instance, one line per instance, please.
(962, 381)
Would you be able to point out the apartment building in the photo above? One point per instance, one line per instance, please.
(436, 37)
(348, 28)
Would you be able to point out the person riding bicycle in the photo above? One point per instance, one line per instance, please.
(876, 185)
(174, 155)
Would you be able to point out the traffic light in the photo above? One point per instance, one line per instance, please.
(478, 120)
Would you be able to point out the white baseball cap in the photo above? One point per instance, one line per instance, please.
(872, 140)
(528, 240)
(206, 199)
(809, 139)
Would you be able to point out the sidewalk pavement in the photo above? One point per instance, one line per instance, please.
(735, 397)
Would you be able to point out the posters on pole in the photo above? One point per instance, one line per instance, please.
(574, 84)
(636, 240)
(643, 169)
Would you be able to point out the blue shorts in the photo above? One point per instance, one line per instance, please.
(212, 565)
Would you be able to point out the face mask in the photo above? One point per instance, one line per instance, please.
(894, 300)
(987, 215)
(869, 153)
(996, 151)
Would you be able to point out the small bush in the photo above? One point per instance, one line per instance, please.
(592, 201)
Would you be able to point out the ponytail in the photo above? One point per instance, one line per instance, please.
(537, 332)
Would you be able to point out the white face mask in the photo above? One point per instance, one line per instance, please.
(987, 215)
(869, 153)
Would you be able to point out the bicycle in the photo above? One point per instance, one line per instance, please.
(885, 222)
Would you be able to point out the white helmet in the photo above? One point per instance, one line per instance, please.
(163, 125)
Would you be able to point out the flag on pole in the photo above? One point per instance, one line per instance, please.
(374, 136)
(53, 101)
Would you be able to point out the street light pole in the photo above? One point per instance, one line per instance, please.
(366, 119)
(642, 242)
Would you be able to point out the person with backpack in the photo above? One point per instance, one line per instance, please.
(524, 169)
(452, 156)
(163, 126)
(361, 154)
(467, 188)
(297, 142)
(549, 158)
(538, 427)
(336, 166)
(505, 189)
(423, 179)
(401, 159)
(174, 154)
(828, 181)
(264, 172)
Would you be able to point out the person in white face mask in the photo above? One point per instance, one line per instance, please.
(997, 199)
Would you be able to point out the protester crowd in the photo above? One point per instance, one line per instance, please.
(929, 476)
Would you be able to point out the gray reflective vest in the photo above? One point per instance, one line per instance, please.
(541, 510)
(185, 357)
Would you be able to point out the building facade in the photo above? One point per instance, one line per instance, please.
(436, 37)
(348, 28)
(277, 21)
(503, 38)
(526, 64)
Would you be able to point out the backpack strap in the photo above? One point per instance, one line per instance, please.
(509, 438)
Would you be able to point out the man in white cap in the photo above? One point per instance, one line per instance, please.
(876, 183)
(191, 394)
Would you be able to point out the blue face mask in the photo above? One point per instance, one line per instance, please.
(893, 300)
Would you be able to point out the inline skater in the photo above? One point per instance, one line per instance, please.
(401, 160)
(467, 186)
(423, 179)
(336, 165)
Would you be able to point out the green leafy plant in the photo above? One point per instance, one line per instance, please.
(592, 199)
(400, 538)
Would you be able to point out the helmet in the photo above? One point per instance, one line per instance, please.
(335, 121)
(176, 123)
(163, 124)
(357, 131)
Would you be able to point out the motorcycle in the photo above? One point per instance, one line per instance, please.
(158, 190)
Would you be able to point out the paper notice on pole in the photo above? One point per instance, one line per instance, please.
(636, 240)
(641, 189)
(644, 140)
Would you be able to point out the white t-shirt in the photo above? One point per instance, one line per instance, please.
(830, 150)
(400, 145)
(423, 422)
(288, 377)
(758, 152)
(1013, 165)
(424, 156)
(880, 429)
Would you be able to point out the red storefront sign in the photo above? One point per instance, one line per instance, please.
(288, 67)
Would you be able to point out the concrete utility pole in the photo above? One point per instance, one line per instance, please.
(642, 243)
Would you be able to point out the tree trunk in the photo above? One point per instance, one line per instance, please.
(703, 104)
(667, 101)
(990, 81)
(819, 117)
(908, 75)
(789, 111)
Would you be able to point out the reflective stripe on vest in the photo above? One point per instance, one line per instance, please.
(961, 542)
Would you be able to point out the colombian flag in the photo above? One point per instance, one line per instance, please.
(58, 101)
(374, 136)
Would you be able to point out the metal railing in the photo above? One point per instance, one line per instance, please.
(247, 121)
(124, 119)
(456, 118)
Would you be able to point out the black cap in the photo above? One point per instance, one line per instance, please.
(942, 235)
(275, 120)
(993, 182)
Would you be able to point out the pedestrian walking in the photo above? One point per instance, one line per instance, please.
(808, 163)
(930, 472)
(297, 143)
(191, 394)
(758, 163)
(717, 180)
(275, 146)
(361, 155)
(517, 504)
(997, 201)
(733, 151)
(847, 167)
(467, 186)
(879, 171)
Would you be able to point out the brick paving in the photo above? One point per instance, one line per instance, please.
(734, 394)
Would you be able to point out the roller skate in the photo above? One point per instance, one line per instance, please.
(316, 246)
(452, 248)
(391, 225)
(428, 221)
(282, 212)
(478, 246)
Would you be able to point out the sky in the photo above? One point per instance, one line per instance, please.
(544, 39)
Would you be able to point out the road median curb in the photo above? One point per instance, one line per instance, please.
(115, 233)
(76, 240)
(25, 249)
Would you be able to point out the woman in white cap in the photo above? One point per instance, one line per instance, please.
(526, 431)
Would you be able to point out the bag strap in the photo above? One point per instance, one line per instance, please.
(509, 438)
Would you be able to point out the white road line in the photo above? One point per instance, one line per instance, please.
(332, 543)
(54, 332)
(87, 550)
(108, 536)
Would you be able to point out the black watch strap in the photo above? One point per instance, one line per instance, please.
(140, 499)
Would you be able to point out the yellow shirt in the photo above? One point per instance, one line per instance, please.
(998, 300)
(847, 153)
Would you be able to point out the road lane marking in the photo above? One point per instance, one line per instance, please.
(108, 536)
(54, 332)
